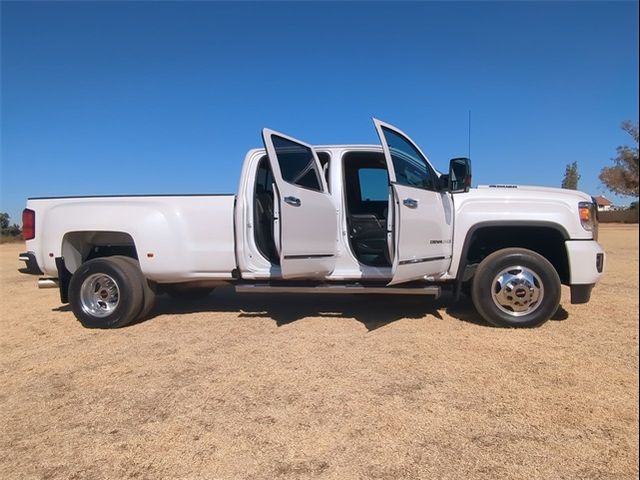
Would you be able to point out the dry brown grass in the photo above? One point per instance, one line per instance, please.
(269, 387)
(11, 239)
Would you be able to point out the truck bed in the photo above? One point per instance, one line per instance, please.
(177, 238)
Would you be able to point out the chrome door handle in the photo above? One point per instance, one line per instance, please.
(410, 202)
(293, 201)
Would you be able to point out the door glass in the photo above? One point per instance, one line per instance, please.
(410, 166)
(297, 163)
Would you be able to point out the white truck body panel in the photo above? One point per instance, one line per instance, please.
(582, 268)
(177, 238)
(516, 205)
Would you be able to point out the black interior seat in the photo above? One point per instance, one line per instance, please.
(369, 238)
(367, 232)
(367, 207)
(263, 208)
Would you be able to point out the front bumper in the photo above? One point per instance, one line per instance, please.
(587, 262)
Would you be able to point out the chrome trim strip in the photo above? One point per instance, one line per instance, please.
(302, 257)
(420, 260)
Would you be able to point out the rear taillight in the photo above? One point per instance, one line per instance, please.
(28, 224)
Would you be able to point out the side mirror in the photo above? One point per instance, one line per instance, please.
(459, 175)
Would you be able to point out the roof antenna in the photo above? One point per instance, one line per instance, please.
(469, 131)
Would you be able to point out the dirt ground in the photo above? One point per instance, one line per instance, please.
(264, 387)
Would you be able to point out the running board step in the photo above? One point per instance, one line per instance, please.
(433, 291)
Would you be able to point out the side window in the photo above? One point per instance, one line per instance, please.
(410, 166)
(374, 184)
(297, 163)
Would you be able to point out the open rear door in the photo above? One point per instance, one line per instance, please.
(423, 215)
(307, 214)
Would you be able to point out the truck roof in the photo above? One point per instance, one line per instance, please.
(346, 146)
(362, 146)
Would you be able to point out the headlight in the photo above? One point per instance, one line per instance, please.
(588, 217)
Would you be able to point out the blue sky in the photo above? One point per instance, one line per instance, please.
(144, 97)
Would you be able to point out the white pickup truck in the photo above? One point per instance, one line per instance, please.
(327, 219)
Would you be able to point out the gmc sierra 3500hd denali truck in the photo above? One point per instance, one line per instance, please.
(329, 219)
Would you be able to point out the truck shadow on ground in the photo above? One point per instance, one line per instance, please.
(373, 311)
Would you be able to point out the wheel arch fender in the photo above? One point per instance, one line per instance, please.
(77, 246)
(70, 227)
(513, 231)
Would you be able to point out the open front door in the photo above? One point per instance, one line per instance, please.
(307, 215)
(423, 215)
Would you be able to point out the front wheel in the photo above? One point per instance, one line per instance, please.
(515, 287)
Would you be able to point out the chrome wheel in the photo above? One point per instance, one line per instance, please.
(517, 291)
(99, 295)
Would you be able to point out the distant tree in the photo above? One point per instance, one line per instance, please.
(12, 231)
(571, 176)
(634, 208)
(4, 221)
(622, 178)
(7, 230)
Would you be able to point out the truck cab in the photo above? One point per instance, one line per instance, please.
(345, 213)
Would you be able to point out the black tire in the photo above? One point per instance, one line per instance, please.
(129, 292)
(187, 293)
(465, 288)
(148, 293)
(511, 301)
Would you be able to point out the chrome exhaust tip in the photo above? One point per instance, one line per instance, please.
(48, 283)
